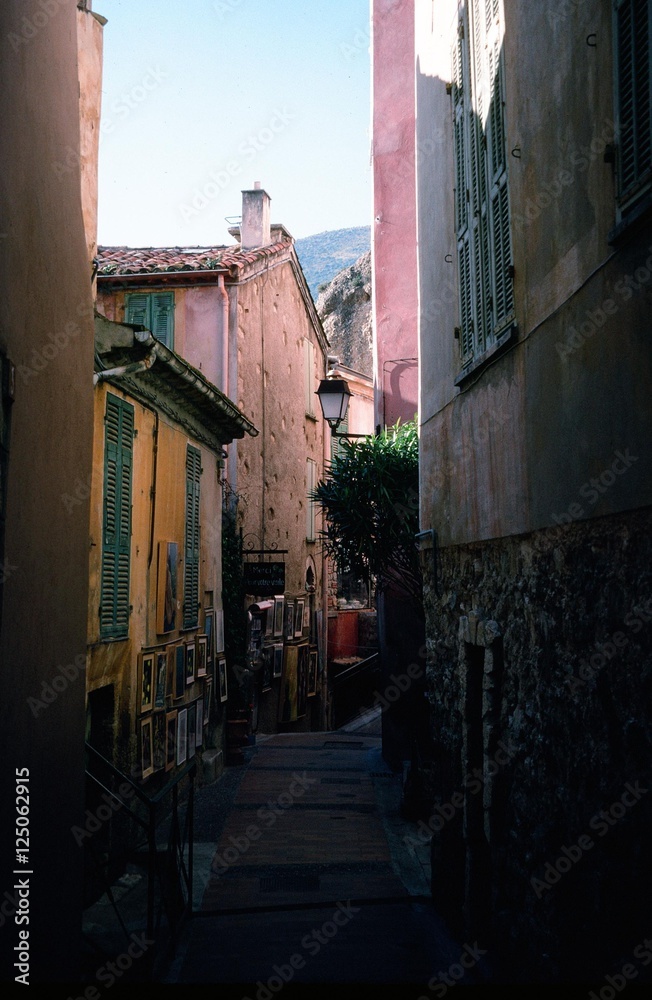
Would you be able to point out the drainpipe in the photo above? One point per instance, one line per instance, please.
(224, 312)
(133, 369)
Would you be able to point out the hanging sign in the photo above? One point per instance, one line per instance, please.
(264, 578)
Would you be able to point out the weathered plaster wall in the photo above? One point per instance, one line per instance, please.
(394, 265)
(517, 448)
(535, 475)
(197, 322)
(46, 331)
(271, 471)
(90, 47)
(158, 516)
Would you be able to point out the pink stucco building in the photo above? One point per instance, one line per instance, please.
(393, 240)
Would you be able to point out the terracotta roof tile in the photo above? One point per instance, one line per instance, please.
(163, 260)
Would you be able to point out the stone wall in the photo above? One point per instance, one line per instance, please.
(540, 685)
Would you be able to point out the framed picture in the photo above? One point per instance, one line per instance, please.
(182, 735)
(192, 729)
(289, 619)
(266, 673)
(279, 609)
(166, 591)
(171, 720)
(160, 688)
(219, 631)
(209, 629)
(269, 621)
(208, 699)
(180, 670)
(199, 722)
(146, 685)
(221, 666)
(298, 618)
(202, 655)
(190, 662)
(172, 659)
(278, 660)
(159, 737)
(287, 702)
(312, 673)
(303, 664)
(146, 747)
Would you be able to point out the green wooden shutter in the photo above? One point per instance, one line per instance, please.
(633, 28)
(116, 530)
(163, 317)
(137, 309)
(191, 566)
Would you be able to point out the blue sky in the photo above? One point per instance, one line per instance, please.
(201, 98)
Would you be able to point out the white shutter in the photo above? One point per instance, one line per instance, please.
(308, 372)
(311, 483)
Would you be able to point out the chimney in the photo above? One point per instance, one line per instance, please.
(255, 226)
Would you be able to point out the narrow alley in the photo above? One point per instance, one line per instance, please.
(308, 861)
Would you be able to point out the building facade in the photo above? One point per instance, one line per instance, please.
(243, 316)
(393, 231)
(535, 273)
(50, 77)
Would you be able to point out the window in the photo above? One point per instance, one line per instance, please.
(336, 442)
(309, 377)
(153, 310)
(311, 485)
(191, 564)
(482, 220)
(633, 21)
(116, 529)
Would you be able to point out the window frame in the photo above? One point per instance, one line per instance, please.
(482, 210)
(152, 313)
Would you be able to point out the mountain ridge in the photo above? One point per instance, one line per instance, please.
(325, 254)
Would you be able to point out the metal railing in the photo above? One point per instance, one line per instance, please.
(158, 831)
(352, 687)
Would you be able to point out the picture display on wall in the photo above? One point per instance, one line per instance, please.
(209, 629)
(190, 662)
(208, 699)
(160, 729)
(180, 671)
(192, 729)
(166, 595)
(161, 678)
(202, 658)
(172, 661)
(221, 666)
(279, 610)
(219, 631)
(266, 674)
(146, 747)
(312, 673)
(146, 673)
(298, 618)
(287, 701)
(199, 722)
(303, 664)
(182, 736)
(171, 720)
(289, 619)
(278, 659)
